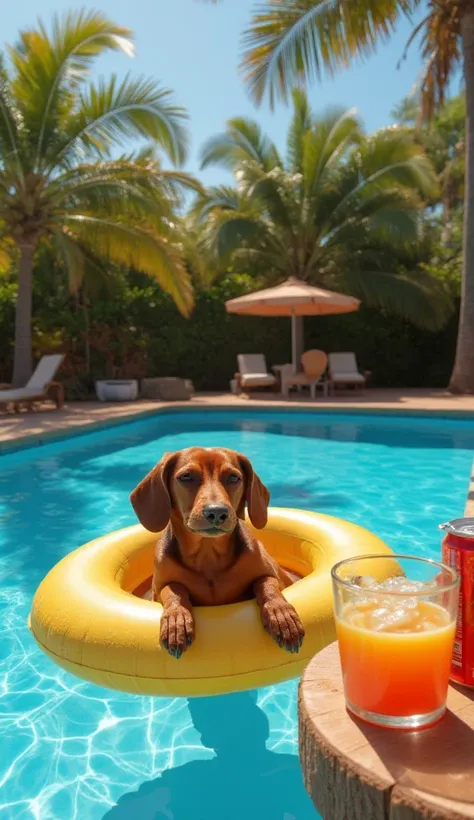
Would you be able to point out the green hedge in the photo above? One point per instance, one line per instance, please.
(147, 336)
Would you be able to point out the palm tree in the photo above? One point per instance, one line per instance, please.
(61, 178)
(342, 210)
(291, 41)
(443, 140)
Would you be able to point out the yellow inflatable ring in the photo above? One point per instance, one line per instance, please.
(86, 618)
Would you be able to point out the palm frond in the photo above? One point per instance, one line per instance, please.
(129, 245)
(392, 157)
(387, 161)
(243, 141)
(442, 53)
(421, 300)
(112, 113)
(293, 41)
(234, 230)
(134, 187)
(10, 154)
(326, 143)
(301, 122)
(195, 253)
(217, 198)
(396, 225)
(86, 271)
(73, 258)
(47, 68)
(277, 192)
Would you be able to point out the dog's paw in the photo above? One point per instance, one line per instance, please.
(176, 630)
(281, 620)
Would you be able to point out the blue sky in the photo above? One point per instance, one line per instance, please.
(194, 47)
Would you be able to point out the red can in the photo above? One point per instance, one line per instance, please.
(458, 553)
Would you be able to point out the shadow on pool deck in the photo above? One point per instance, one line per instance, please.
(244, 779)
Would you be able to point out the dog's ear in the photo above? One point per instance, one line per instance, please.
(151, 498)
(256, 495)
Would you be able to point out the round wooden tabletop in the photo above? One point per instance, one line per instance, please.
(355, 771)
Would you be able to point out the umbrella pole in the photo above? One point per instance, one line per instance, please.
(294, 343)
(297, 341)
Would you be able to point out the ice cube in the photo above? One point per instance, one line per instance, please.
(358, 619)
(412, 586)
(377, 617)
(397, 619)
(407, 586)
(365, 581)
(407, 603)
(365, 604)
(393, 584)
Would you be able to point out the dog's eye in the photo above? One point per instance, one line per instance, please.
(185, 477)
(233, 478)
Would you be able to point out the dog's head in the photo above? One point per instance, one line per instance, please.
(207, 488)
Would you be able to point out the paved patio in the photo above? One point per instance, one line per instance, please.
(48, 422)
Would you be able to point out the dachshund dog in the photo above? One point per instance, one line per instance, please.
(206, 555)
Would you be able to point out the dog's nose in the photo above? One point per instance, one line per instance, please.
(216, 513)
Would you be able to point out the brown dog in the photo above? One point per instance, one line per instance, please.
(206, 555)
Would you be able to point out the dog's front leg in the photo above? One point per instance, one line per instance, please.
(279, 617)
(177, 622)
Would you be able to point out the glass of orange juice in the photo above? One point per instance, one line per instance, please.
(395, 622)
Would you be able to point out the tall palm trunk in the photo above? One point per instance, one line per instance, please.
(22, 363)
(462, 379)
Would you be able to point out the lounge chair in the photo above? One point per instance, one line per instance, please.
(40, 387)
(253, 372)
(343, 371)
(314, 365)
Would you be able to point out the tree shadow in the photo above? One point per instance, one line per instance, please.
(244, 779)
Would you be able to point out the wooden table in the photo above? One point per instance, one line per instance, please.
(354, 771)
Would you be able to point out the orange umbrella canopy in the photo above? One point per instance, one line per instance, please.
(293, 298)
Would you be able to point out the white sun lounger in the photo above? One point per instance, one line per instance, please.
(38, 386)
(253, 371)
(343, 371)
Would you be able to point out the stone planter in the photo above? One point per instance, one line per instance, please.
(117, 390)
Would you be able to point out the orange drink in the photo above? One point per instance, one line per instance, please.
(396, 637)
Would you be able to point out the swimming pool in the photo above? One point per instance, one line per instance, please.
(72, 751)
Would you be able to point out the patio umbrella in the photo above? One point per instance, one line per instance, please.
(293, 298)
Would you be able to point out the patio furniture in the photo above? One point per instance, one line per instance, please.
(253, 372)
(314, 365)
(344, 372)
(354, 770)
(167, 389)
(40, 387)
(295, 299)
(117, 390)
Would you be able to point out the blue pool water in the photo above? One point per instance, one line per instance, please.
(73, 751)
